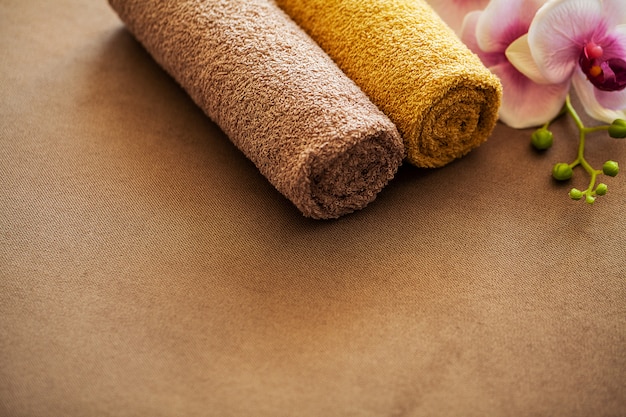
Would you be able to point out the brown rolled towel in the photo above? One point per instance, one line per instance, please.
(280, 99)
(413, 67)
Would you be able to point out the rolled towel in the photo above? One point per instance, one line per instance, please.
(278, 97)
(413, 67)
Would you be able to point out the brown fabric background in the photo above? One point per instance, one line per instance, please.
(148, 268)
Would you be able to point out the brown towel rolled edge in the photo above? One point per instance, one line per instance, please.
(280, 99)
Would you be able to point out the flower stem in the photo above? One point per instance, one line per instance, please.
(580, 157)
(542, 138)
(572, 112)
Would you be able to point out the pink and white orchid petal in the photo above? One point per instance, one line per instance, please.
(519, 55)
(454, 11)
(468, 36)
(611, 100)
(615, 11)
(601, 105)
(614, 43)
(525, 103)
(503, 21)
(558, 33)
(468, 30)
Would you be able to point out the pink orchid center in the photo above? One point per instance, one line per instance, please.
(606, 74)
(593, 50)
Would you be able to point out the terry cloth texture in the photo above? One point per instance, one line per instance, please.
(280, 99)
(440, 96)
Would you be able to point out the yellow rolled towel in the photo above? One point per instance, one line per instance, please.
(413, 67)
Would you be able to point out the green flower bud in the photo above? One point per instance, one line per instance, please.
(610, 168)
(542, 138)
(617, 129)
(589, 199)
(562, 171)
(575, 194)
(601, 189)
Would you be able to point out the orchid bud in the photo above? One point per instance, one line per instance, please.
(575, 194)
(542, 138)
(601, 189)
(617, 129)
(562, 171)
(590, 199)
(610, 168)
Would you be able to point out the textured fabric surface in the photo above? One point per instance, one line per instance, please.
(147, 268)
(440, 96)
(308, 128)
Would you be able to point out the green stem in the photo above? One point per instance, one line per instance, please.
(596, 128)
(542, 139)
(573, 113)
(580, 157)
(549, 122)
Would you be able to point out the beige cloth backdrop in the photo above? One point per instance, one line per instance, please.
(148, 269)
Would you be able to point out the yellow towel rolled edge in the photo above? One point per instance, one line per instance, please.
(441, 97)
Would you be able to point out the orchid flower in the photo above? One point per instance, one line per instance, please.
(490, 33)
(453, 11)
(583, 41)
(539, 49)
